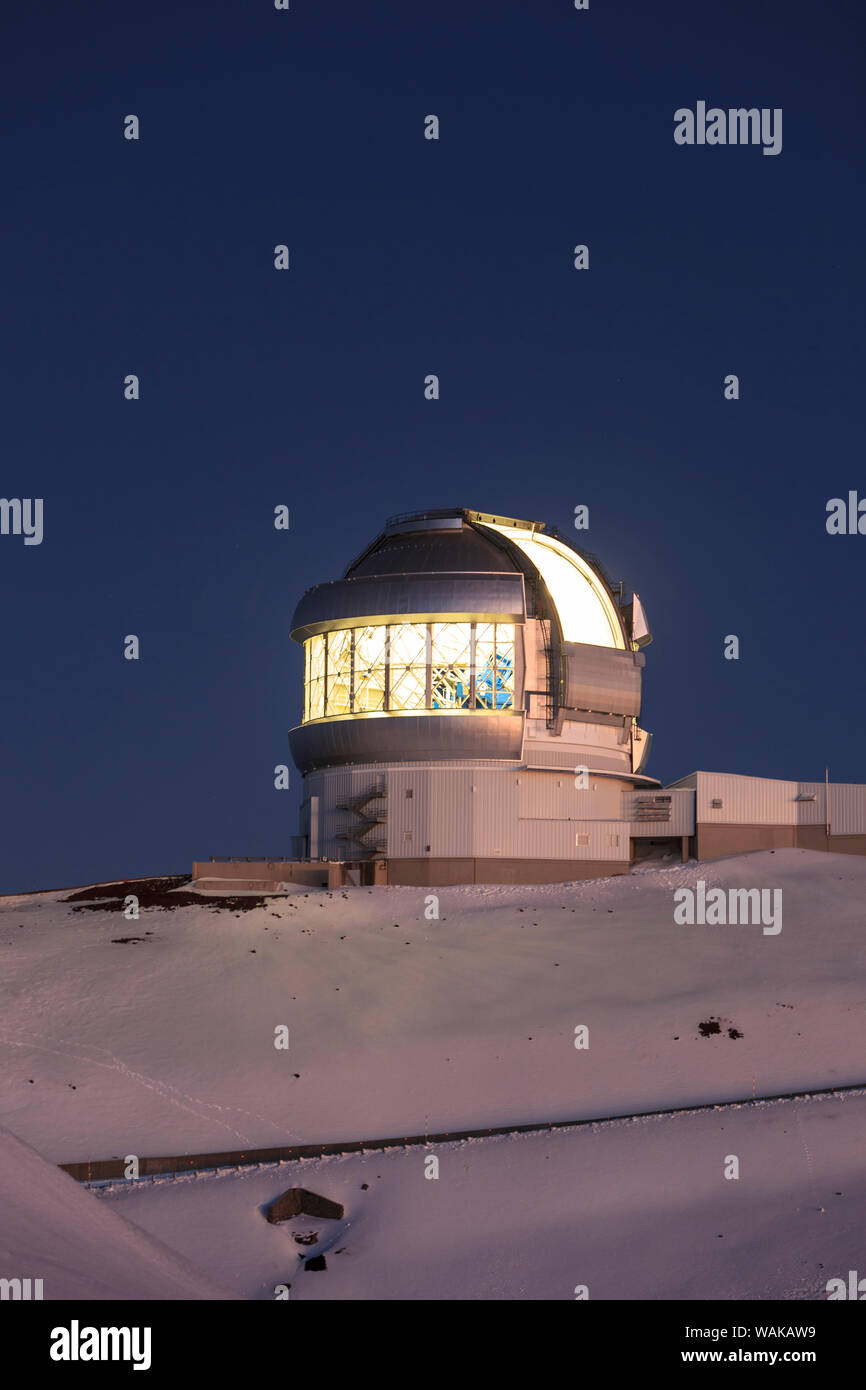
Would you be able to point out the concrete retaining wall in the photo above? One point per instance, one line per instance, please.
(263, 872)
(104, 1170)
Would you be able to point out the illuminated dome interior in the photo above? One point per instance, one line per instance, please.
(585, 610)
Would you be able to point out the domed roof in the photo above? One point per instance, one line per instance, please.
(456, 561)
(459, 541)
(455, 550)
(434, 563)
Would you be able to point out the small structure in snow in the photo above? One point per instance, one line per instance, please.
(297, 1201)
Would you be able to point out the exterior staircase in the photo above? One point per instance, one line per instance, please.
(367, 834)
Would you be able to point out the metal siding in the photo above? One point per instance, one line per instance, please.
(518, 813)
(424, 736)
(546, 796)
(603, 747)
(408, 814)
(764, 801)
(847, 809)
(582, 757)
(495, 815)
(810, 812)
(602, 678)
(381, 598)
(551, 839)
(745, 800)
(452, 812)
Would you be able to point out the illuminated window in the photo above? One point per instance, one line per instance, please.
(314, 684)
(409, 666)
(408, 662)
(339, 672)
(369, 669)
(494, 665)
(451, 665)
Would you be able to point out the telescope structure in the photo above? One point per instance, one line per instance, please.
(472, 689)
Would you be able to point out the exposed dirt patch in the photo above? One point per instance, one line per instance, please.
(156, 892)
(713, 1026)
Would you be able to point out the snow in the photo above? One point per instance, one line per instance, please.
(53, 1229)
(632, 1210)
(169, 1042)
(401, 1025)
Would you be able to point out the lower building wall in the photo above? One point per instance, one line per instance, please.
(718, 841)
(445, 872)
(815, 837)
(468, 812)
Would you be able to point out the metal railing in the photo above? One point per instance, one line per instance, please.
(251, 858)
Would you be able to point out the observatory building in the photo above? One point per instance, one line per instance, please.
(472, 690)
(472, 687)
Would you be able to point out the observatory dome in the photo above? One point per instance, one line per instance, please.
(459, 634)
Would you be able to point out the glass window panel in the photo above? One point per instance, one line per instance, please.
(339, 649)
(451, 668)
(338, 696)
(316, 707)
(450, 642)
(408, 660)
(369, 669)
(494, 666)
(408, 687)
(369, 647)
(408, 644)
(314, 651)
(337, 699)
(504, 698)
(485, 671)
(316, 657)
(369, 690)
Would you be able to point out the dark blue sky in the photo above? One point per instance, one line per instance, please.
(408, 257)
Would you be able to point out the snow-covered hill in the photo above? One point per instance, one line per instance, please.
(157, 1036)
(397, 1023)
(53, 1229)
(630, 1210)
